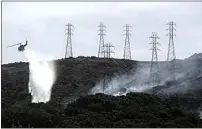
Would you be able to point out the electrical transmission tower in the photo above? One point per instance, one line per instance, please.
(154, 76)
(127, 52)
(69, 29)
(171, 57)
(107, 50)
(101, 44)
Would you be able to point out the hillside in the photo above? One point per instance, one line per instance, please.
(75, 77)
(80, 76)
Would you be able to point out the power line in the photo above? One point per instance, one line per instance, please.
(154, 77)
(127, 52)
(101, 41)
(69, 29)
(171, 57)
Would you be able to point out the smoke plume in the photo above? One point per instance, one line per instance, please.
(185, 71)
(41, 76)
(137, 82)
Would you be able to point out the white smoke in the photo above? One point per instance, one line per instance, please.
(41, 76)
(137, 82)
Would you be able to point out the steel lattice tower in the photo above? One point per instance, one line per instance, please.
(154, 76)
(108, 50)
(171, 57)
(69, 29)
(101, 44)
(127, 52)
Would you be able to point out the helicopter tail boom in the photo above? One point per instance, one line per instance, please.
(14, 45)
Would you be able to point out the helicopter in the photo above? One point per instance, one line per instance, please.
(21, 48)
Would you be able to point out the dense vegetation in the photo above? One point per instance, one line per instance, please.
(75, 77)
(133, 110)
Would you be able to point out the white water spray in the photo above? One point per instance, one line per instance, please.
(41, 76)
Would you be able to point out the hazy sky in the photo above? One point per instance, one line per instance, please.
(43, 24)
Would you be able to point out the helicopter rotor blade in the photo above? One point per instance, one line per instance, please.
(14, 45)
(26, 41)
